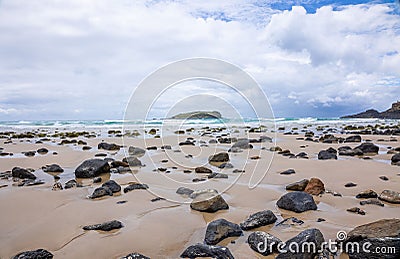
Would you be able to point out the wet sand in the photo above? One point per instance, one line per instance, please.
(37, 217)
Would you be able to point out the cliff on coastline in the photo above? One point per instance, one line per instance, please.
(392, 113)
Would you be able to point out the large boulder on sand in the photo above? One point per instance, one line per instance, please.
(22, 173)
(258, 219)
(326, 154)
(368, 148)
(202, 250)
(297, 202)
(208, 201)
(219, 158)
(136, 151)
(297, 186)
(309, 243)
(396, 159)
(92, 168)
(220, 229)
(378, 234)
(263, 243)
(35, 254)
(390, 196)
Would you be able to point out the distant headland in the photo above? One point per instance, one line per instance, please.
(392, 113)
(198, 115)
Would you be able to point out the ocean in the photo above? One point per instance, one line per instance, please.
(252, 122)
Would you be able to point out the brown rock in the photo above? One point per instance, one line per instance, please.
(315, 187)
(297, 186)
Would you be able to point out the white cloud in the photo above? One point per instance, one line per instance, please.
(88, 56)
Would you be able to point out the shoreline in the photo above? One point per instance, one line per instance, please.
(38, 217)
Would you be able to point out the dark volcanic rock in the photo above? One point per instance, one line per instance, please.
(136, 151)
(368, 148)
(379, 234)
(226, 166)
(29, 153)
(135, 186)
(135, 256)
(355, 138)
(30, 182)
(202, 170)
(297, 186)
(325, 155)
(202, 250)
(219, 158)
(217, 175)
(220, 229)
(22, 173)
(116, 164)
(92, 168)
(35, 254)
(372, 202)
(112, 185)
(297, 202)
(302, 155)
(208, 201)
(288, 172)
(186, 143)
(54, 168)
(384, 178)
(348, 185)
(184, 191)
(242, 144)
(396, 159)
(42, 151)
(303, 240)
(356, 210)
(86, 147)
(390, 196)
(367, 194)
(106, 226)
(107, 146)
(132, 161)
(70, 184)
(263, 243)
(97, 180)
(258, 219)
(348, 151)
(100, 192)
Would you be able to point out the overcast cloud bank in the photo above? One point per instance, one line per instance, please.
(82, 59)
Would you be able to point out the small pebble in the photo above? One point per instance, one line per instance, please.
(383, 178)
(157, 199)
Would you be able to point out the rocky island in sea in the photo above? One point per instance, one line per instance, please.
(198, 115)
(392, 113)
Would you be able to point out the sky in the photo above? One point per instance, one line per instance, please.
(84, 59)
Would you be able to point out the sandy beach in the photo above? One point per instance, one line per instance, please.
(36, 216)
